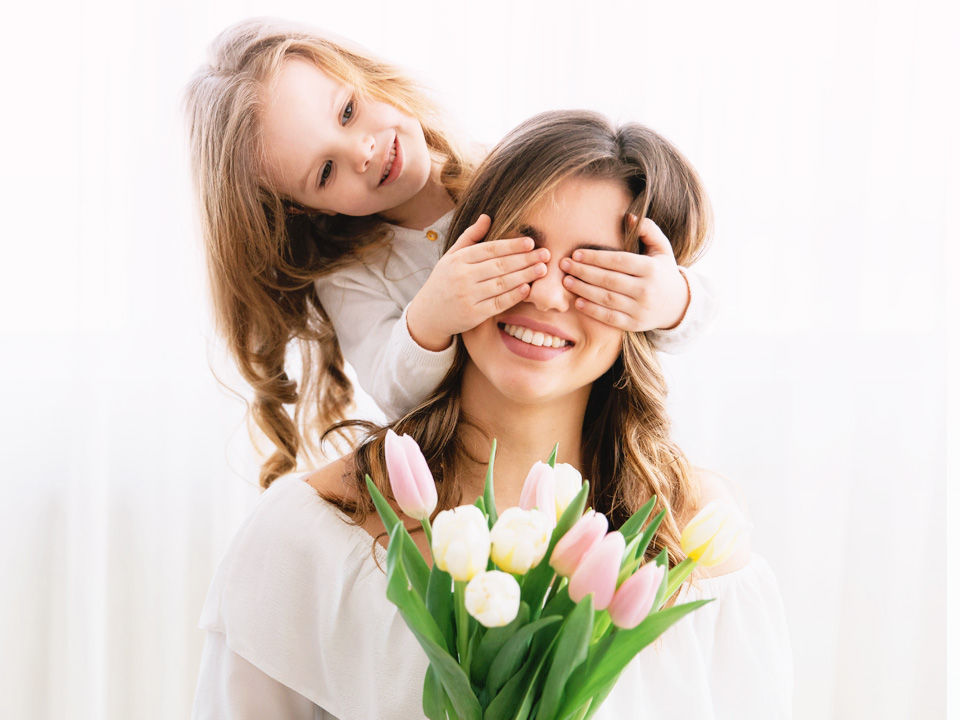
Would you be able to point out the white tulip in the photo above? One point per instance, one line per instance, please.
(461, 542)
(568, 484)
(714, 533)
(493, 598)
(519, 539)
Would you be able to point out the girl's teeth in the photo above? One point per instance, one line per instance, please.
(534, 337)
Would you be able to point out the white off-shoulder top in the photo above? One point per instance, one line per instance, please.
(299, 627)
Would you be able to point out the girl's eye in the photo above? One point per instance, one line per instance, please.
(347, 113)
(325, 173)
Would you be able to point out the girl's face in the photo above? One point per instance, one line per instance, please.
(330, 151)
(544, 348)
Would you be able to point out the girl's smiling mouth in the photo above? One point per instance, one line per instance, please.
(393, 164)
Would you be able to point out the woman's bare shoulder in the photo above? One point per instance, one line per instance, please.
(713, 486)
(330, 481)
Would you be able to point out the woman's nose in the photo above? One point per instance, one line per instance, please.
(548, 292)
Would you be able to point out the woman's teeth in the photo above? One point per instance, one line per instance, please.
(393, 156)
(534, 337)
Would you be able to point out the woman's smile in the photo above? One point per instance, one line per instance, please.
(544, 347)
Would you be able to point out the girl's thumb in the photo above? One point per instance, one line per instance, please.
(473, 234)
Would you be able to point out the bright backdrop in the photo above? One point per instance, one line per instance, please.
(825, 132)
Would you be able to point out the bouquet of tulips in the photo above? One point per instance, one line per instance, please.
(533, 613)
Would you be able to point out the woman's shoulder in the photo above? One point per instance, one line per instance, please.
(710, 487)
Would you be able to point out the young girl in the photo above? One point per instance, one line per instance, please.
(326, 183)
(298, 622)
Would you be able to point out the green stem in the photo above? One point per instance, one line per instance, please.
(679, 573)
(463, 625)
(558, 584)
(429, 532)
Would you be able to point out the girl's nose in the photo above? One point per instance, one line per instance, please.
(364, 152)
(548, 292)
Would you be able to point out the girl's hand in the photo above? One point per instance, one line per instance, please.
(472, 282)
(629, 291)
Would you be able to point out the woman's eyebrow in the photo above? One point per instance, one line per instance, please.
(592, 246)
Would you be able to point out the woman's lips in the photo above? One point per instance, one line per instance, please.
(528, 351)
(397, 164)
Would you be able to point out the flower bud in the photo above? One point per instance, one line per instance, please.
(598, 571)
(493, 598)
(585, 535)
(567, 481)
(539, 491)
(519, 539)
(461, 542)
(713, 533)
(634, 598)
(410, 478)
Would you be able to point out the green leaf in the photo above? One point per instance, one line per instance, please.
(439, 602)
(607, 659)
(414, 612)
(416, 566)
(516, 699)
(488, 499)
(552, 460)
(514, 651)
(434, 696)
(492, 642)
(571, 650)
(536, 583)
(637, 549)
(634, 524)
(664, 560)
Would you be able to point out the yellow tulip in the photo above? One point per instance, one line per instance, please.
(713, 533)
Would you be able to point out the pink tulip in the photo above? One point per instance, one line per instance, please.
(598, 571)
(583, 537)
(634, 598)
(540, 491)
(410, 477)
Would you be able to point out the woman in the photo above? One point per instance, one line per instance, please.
(298, 619)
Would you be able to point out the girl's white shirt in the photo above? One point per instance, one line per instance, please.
(367, 304)
(299, 627)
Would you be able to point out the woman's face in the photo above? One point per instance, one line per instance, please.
(331, 151)
(544, 348)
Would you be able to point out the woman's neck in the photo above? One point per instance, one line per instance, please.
(426, 207)
(525, 433)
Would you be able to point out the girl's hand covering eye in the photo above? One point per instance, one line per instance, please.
(629, 291)
(471, 283)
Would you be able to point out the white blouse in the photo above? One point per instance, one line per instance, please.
(299, 627)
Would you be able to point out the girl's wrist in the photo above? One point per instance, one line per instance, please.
(434, 342)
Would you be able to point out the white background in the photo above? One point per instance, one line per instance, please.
(825, 132)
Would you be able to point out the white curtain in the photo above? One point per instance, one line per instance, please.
(825, 132)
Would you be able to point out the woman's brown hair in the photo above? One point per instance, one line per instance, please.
(626, 446)
(262, 254)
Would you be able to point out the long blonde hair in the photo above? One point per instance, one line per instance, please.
(625, 442)
(262, 257)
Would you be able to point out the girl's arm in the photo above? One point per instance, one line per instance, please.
(395, 318)
(642, 293)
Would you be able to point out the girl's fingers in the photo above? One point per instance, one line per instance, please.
(492, 249)
(614, 318)
(618, 261)
(599, 295)
(499, 303)
(508, 282)
(610, 280)
(655, 242)
(506, 264)
(473, 234)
